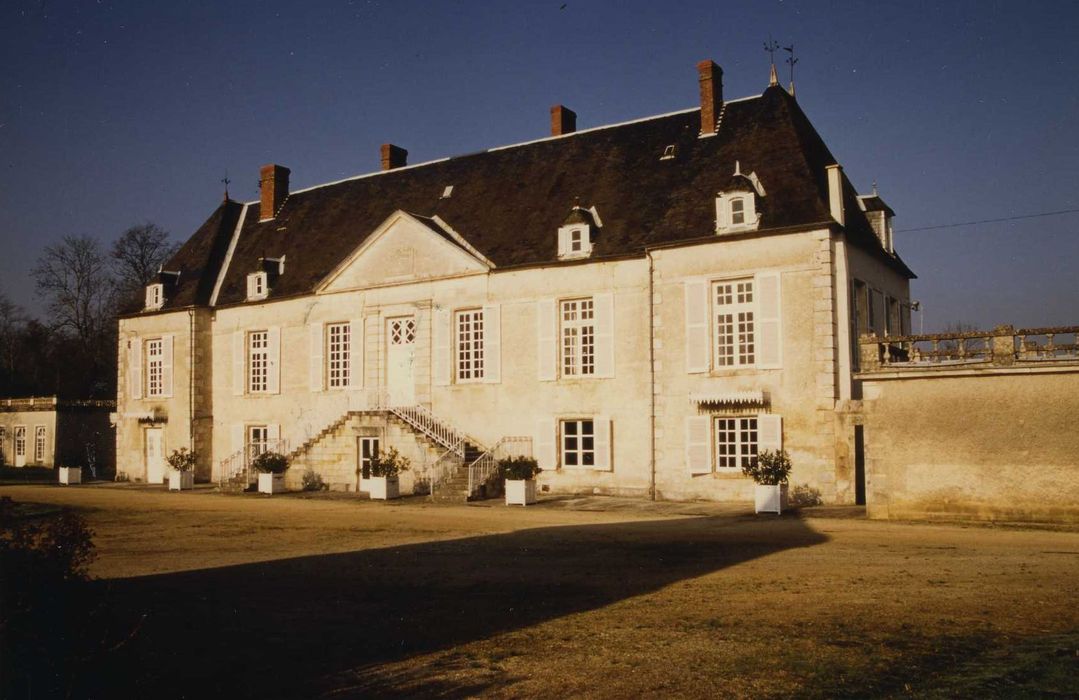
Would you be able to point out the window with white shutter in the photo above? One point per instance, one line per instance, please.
(544, 443)
(492, 344)
(316, 366)
(135, 369)
(355, 358)
(546, 340)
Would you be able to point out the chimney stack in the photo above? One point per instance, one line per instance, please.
(835, 193)
(710, 77)
(563, 120)
(273, 189)
(393, 156)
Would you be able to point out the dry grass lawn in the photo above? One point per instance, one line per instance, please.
(335, 597)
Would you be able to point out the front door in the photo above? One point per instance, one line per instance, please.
(20, 445)
(400, 360)
(367, 451)
(155, 456)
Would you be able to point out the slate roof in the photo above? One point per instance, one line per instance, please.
(509, 202)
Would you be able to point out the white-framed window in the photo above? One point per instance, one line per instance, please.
(155, 367)
(738, 211)
(574, 242)
(469, 325)
(338, 353)
(578, 338)
(39, 443)
(258, 362)
(578, 443)
(369, 447)
(258, 439)
(735, 442)
(155, 296)
(734, 334)
(257, 286)
(20, 441)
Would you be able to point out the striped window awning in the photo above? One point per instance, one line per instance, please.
(729, 398)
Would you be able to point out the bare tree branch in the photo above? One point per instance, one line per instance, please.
(74, 278)
(137, 255)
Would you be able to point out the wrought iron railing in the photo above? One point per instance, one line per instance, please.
(483, 468)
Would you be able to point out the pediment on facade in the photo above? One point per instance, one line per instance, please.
(406, 248)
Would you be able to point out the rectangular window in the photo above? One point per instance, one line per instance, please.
(578, 338)
(258, 438)
(578, 443)
(893, 325)
(368, 451)
(39, 443)
(155, 364)
(738, 211)
(339, 345)
(734, 324)
(20, 440)
(470, 345)
(258, 362)
(736, 442)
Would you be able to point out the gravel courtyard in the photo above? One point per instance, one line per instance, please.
(326, 596)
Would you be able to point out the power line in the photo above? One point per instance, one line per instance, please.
(991, 221)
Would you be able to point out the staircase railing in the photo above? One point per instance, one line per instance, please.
(239, 462)
(427, 423)
(443, 468)
(480, 470)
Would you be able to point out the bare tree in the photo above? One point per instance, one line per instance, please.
(75, 279)
(12, 321)
(136, 257)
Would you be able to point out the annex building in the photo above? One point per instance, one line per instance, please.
(642, 306)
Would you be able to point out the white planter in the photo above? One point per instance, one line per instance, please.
(384, 488)
(70, 475)
(769, 498)
(181, 481)
(520, 491)
(271, 483)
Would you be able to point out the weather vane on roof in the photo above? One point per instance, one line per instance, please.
(771, 46)
(226, 181)
(791, 60)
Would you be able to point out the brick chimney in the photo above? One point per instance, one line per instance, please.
(393, 156)
(273, 188)
(710, 77)
(563, 120)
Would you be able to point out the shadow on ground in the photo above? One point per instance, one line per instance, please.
(312, 625)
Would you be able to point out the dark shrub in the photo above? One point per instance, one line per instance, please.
(270, 463)
(517, 468)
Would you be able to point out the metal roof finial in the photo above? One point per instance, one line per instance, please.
(771, 46)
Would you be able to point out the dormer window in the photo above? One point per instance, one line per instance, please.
(575, 234)
(737, 207)
(257, 286)
(155, 296)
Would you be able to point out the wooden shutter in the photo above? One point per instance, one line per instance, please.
(603, 315)
(547, 339)
(355, 353)
(317, 360)
(239, 362)
(166, 365)
(441, 363)
(699, 444)
(601, 426)
(273, 433)
(492, 344)
(769, 432)
(273, 364)
(698, 345)
(250, 286)
(544, 442)
(769, 330)
(135, 368)
(563, 241)
(722, 218)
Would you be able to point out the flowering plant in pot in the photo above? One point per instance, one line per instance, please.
(182, 471)
(386, 468)
(271, 467)
(770, 471)
(519, 474)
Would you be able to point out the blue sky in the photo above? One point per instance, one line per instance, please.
(114, 113)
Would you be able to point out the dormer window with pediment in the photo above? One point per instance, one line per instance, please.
(576, 234)
(260, 281)
(738, 204)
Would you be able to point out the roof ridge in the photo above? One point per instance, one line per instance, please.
(493, 149)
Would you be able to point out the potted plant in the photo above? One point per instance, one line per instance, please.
(182, 474)
(770, 472)
(271, 467)
(70, 475)
(386, 467)
(519, 474)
